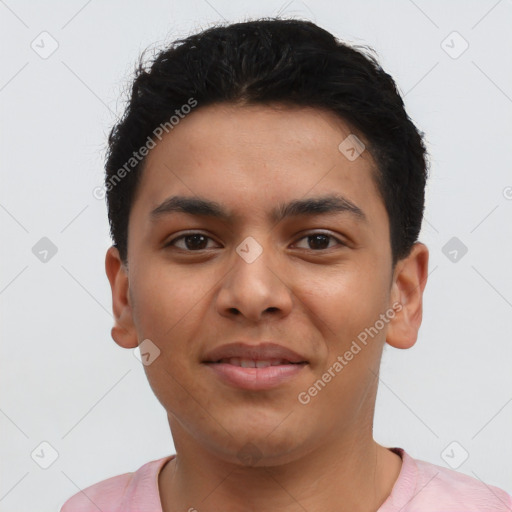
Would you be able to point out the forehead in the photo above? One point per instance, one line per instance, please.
(251, 158)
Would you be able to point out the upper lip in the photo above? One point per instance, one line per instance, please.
(256, 352)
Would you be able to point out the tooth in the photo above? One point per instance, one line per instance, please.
(247, 363)
(276, 363)
(235, 361)
(262, 364)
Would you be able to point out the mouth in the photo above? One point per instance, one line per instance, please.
(254, 363)
(244, 352)
(255, 367)
(255, 375)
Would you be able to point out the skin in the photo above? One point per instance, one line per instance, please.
(314, 299)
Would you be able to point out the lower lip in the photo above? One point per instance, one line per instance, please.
(256, 378)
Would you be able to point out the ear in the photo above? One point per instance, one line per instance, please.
(123, 332)
(409, 280)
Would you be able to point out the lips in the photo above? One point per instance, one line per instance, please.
(235, 353)
(254, 363)
(255, 367)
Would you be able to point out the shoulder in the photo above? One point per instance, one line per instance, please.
(424, 485)
(108, 495)
(104, 495)
(461, 489)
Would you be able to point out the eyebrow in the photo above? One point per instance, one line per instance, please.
(198, 206)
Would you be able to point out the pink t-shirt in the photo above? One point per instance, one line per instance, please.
(420, 487)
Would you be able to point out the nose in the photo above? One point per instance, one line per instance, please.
(254, 286)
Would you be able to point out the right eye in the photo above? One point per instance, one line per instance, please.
(193, 242)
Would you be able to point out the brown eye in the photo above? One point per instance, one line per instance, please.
(320, 241)
(191, 242)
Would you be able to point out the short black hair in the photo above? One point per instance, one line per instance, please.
(272, 61)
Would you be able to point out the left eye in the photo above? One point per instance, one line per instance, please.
(318, 240)
(196, 241)
(192, 241)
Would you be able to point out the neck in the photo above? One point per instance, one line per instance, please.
(354, 475)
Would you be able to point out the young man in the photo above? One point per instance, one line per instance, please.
(265, 191)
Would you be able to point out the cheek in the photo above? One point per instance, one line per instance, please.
(167, 301)
(345, 299)
(343, 306)
(169, 311)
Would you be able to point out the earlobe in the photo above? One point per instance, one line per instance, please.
(410, 278)
(123, 332)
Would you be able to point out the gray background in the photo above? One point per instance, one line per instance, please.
(64, 381)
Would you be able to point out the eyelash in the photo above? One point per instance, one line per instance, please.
(172, 242)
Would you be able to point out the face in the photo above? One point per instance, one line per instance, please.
(311, 281)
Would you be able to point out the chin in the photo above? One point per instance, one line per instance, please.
(258, 447)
